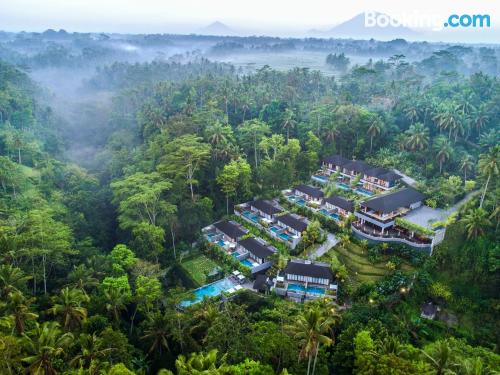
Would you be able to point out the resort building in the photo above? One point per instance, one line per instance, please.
(265, 209)
(304, 279)
(231, 230)
(293, 224)
(257, 249)
(399, 217)
(311, 194)
(339, 205)
(372, 179)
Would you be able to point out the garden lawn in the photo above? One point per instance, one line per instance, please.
(361, 270)
(198, 267)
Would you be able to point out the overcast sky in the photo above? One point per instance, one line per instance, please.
(259, 16)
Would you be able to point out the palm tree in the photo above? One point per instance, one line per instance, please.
(82, 278)
(92, 351)
(439, 357)
(45, 345)
(418, 137)
(412, 113)
(480, 118)
(19, 308)
(331, 132)
(217, 133)
(471, 366)
(288, 122)
(157, 332)
(489, 166)
(443, 151)
(200, 363)
(466, 164)
(374, 131)
(311, 329)
(116, 302)
(68, 305)
(12, 279)
(476, 220)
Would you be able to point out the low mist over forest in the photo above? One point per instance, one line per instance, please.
(116, 150)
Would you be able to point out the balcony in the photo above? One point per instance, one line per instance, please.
(393, 234)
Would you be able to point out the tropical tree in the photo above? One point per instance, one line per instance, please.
(312, 329)
(68, 305)
(12, 279)
(417, 137)
(45, 345)
(374, 130)
(184, 156)
(466, 165)
(288, 122)
(92, 353)
(489, 167)
(476, 221)
(440, 356)
(443, 151)
(234, 176)
(18, 307)
(251, 133)
(156, 331)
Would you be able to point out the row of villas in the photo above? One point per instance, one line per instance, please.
(334, 207)
(373, 179)
(377, 218)
(270, 217)
(300, 280)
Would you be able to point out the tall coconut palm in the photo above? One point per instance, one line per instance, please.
(443, 151)
(92, 352)
(288, 122)
(489, 166)
(476, 221)
(466, 165)
(18, 306)
(374, 131)
(480, 118)
(417, 137)
(312, 329)
(439, 357)
(12, 279)
(156, 331)
(68, 305)
(45, 345)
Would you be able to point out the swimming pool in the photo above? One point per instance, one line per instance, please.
(275, 229)
(251, 216)
(235, 254)
(285, 236)
(323, 211)
(209, 291)
(343, 186)
(291, 197)
(320, 178)
(302, 289)
(363, 191)
(221, 243)
(246, 263)
(301, 202)
(335, 216)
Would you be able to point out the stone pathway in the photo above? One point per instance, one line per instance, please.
(330, 242)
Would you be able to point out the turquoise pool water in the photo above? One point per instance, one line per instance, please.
(284, 236)
(291, 197)
(363, 191)
(246, 263)
(211, 236)
(235, 254)
(208, 291)
(302, 289)
(343, 186)
(320, 178)
(221, 243)
(323, 211)
(335, 216)
(275, 229)
(301, 202)
(251, 216)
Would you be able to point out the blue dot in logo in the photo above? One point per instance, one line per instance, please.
(446, 24)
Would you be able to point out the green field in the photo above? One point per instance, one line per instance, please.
(198, 267)
(360, 269)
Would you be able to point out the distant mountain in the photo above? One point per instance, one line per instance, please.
(355, 28)
(217, 28)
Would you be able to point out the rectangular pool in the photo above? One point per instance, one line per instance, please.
(235, 254)
(301, 202)
(364, 192)
(285, 236)
(246, 263)
(320, 178)
(343, 186)
(302, 289)
(275, 229)
(209, 291)
(221, 243)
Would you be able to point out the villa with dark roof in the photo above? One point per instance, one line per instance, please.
(265, 209)
(230, 230)
(258, 250)
(371, 178)
(339, 205)
(310, 193)
(394, 217)
(293, 223)
(305, 279)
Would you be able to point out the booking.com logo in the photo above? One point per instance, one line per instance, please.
(429, 21)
